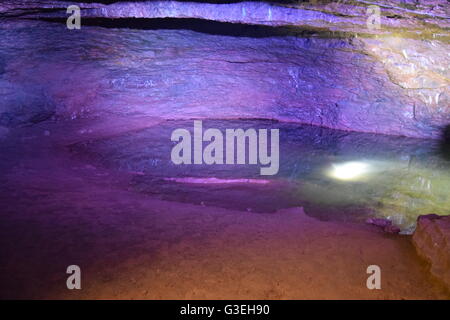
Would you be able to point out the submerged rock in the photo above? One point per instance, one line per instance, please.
(432, 242)
(385, 224)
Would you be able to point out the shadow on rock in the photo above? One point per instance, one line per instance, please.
(444, 145)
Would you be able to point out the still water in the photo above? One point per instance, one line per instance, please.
(333, 174)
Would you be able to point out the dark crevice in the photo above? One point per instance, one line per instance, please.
(445, 142)
(394, 16)
(199, 25)
(201, 1)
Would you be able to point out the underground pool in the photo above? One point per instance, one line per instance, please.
(333, 174)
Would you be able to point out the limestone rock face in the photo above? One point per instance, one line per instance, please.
(432, 242)
(323, 67)
(335, 15)
(23, 104)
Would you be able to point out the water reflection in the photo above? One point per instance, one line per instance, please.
(333, 174)
(350, 171)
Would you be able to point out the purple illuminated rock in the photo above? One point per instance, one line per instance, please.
(335, 15)
(393, 84)
(23, 104)
(385, 224)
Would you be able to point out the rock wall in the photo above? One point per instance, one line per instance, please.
(324, 67)
(432, 242)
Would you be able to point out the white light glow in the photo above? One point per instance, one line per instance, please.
(349, 170)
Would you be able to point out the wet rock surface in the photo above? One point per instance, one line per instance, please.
(432, 242)
(384, 224)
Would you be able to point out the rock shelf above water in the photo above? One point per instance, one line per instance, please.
(323, 67)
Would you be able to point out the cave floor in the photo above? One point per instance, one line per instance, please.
(58, 211)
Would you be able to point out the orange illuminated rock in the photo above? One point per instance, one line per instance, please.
(432, 242)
